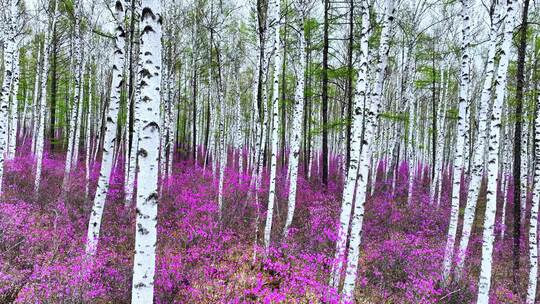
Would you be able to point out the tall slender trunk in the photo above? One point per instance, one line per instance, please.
(73, 123)
(276, 11)
(373, 102)
(9, 58)
(194, 144)
(110, 133)
(147, 196)
(438, 165)
(324, 93)
(411, 144)
(283, 102)
(222, 146)
(170, 138)
(134, 8)
(43, 100)
(14, 104)
(506, 150)
(350, 78)
(433, 112)
(35, 99)
(477, 171)
(460, 144)
(296, 135)
(77, 137)
(54, 87)
(132, 170)
(533, 224)
(484, 282)
(356, 132)
(88, 141)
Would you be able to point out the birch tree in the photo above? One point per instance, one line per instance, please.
(441, 123)
(294, 153)
(477, 171)
(88, 141)
(40, 130)
(411, 129)
(533, 224)
(460, 144)
(274, 137)
(9, 75)
(132, 170)
(13, 113)
(349, 187)
(74, 126)
(110, 132)
(484, 282)
(148, 152)
(371, 119)
(221, 131)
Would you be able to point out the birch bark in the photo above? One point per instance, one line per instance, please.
(460, 141)
(274, 138)
(477, 171)
(110, 132)
(371, 122)
(14, 103)
(73, 126)
(356, 133)
(43, 100)
(533, 224)
(147, 195)
(294, 152)
(9, 54)
(484, 282)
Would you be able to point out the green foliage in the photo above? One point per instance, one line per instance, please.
(340, 72)
(311, 26)
(452, 113)
(393, 116)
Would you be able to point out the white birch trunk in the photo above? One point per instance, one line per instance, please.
(132, 170)
(410, 145)
(165, 99)
(371, 123)
(14, 118)
(533, 225)
(147, 195)
(257, 151)
(460, 144)
(477, 171)
(524, 168)
(504, 175)
(23, 120)
(43, 101)
(6, 84)
(35, 100)
(441, 115)
(298, 115)
(88, 142)
(276, 9)
(172, 134)
(360, 95)
(110, 133)
(484, 282)
(75, 157)
(73, 125)
(222, 145)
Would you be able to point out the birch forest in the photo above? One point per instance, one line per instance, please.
(269, 151)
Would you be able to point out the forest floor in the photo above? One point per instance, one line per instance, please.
(203, 260)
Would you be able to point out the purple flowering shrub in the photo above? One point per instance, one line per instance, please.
(202, 259)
